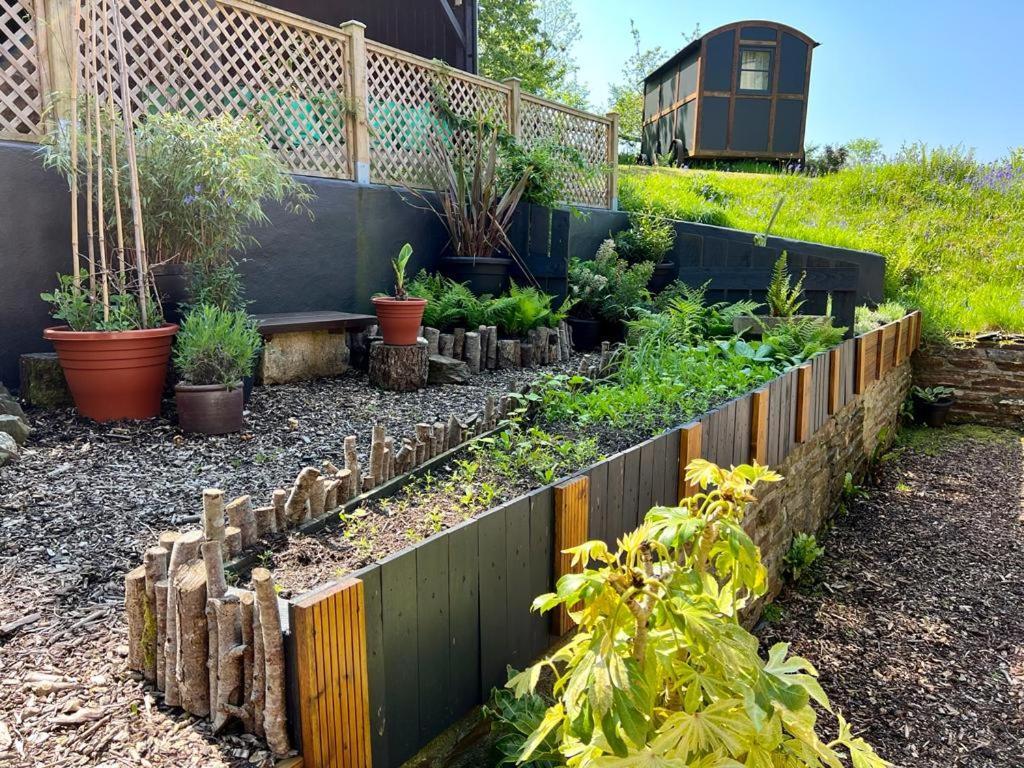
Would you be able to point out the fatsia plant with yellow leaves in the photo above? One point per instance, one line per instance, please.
(660, 673)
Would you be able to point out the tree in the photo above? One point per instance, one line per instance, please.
(532, 40)
(627, 97)
(864, 151)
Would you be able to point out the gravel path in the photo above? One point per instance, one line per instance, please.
(76, 513)
(916, 619)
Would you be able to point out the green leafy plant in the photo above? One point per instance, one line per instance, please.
(608, 288)
(798, 339)
(932, 394)
(85, 311)
(547, 165)
(513, 720)
(784, 299)
(803, 553)
(649, 239)
(216, 346)
(868, 318)
(772, 613)
(660, 671)
(399, 265)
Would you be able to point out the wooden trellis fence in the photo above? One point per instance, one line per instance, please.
(330, 102)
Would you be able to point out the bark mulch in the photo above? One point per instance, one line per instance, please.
(915, 618)
(76, 513)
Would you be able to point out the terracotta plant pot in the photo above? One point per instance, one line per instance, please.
(399, 319)
(114, 375)
(210, 409)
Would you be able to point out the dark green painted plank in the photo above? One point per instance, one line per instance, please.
(517, 585)
(598, 527)
(493, 601)
(542, 559)
(464, 626)
(658, 472)
(433, 638)
(631, 514)
(775, 408)
(398, 610)
(672, 467)
(741, 432)
(616, 525)
(646, 492)
(375, 666)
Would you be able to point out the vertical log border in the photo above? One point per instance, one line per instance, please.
(572, 511)
(690, 438)
(331, 668)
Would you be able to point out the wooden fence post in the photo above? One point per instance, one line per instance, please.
(759, 426)
(359, 125)
(803, 403)
(835, 368)
(613, 161)
(333, 688)
(56, 40)
(572, 516)
(515, 106)
(689, 449)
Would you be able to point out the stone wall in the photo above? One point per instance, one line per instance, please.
(815, 471)
(988, 378)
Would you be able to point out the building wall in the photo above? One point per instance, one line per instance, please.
(988, 378)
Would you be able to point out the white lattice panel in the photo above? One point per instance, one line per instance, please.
(208, 58)
(588, 135)
(403, 94)
(21, 90)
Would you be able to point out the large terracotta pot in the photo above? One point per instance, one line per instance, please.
(114, 375)
(399, 319)
(210, 409)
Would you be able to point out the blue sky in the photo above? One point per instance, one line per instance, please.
(940, 72)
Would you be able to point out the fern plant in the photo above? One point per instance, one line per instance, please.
(784, 299)
(660, 671)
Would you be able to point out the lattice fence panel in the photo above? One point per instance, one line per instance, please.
(403, 95)
(21, 75)
(208, 58)
(546, 121)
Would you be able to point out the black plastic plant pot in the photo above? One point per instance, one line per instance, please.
(664, 274)
(172, 282)
(932, 413)
(586, 334)
(483, 275)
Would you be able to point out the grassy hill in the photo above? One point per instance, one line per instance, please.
(952, 230)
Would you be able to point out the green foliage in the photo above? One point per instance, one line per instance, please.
(801, 338)
(660, 671)
(784, 299)
(868, 319)
(803, 553)
(932, 394)
(83, 312)
(513, 720)
(687, 310)
(216, 283)
(864, 151)
(607, 288)
(851, 491)
(216, 346)
(399, 265)
(519, 451)
(547, 165)
(627, 97)
(772, 613)
(649, 238)
(951, 229)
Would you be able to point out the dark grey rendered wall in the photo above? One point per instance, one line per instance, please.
(336, 261)
(737, 269)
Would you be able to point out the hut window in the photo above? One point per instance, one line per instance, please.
(755, 70)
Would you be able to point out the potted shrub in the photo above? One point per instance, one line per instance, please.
(215, 350)
(932, 405)
(400, 315)
(476, 206)
(649, 239)
(602, 294)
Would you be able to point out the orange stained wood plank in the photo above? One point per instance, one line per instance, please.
(803, 403)
(835, 369)
(919, 320)
(572, 513)
(333, 690)
(690, 439)
(901, 340)
(759, 426)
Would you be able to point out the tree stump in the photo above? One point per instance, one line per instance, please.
(508, 354)
(399, 369)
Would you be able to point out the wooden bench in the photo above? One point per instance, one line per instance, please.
(298, 346)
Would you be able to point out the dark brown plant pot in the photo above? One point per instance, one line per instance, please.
(482, 275)
(932, 413)
(664, 274)
(114, 375)
(210, 409)
(586, 334)
(399, 319)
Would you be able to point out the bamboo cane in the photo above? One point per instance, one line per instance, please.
(90, 232)
(133, 169)
(114, 168)
(76, 264)
(95, 96)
